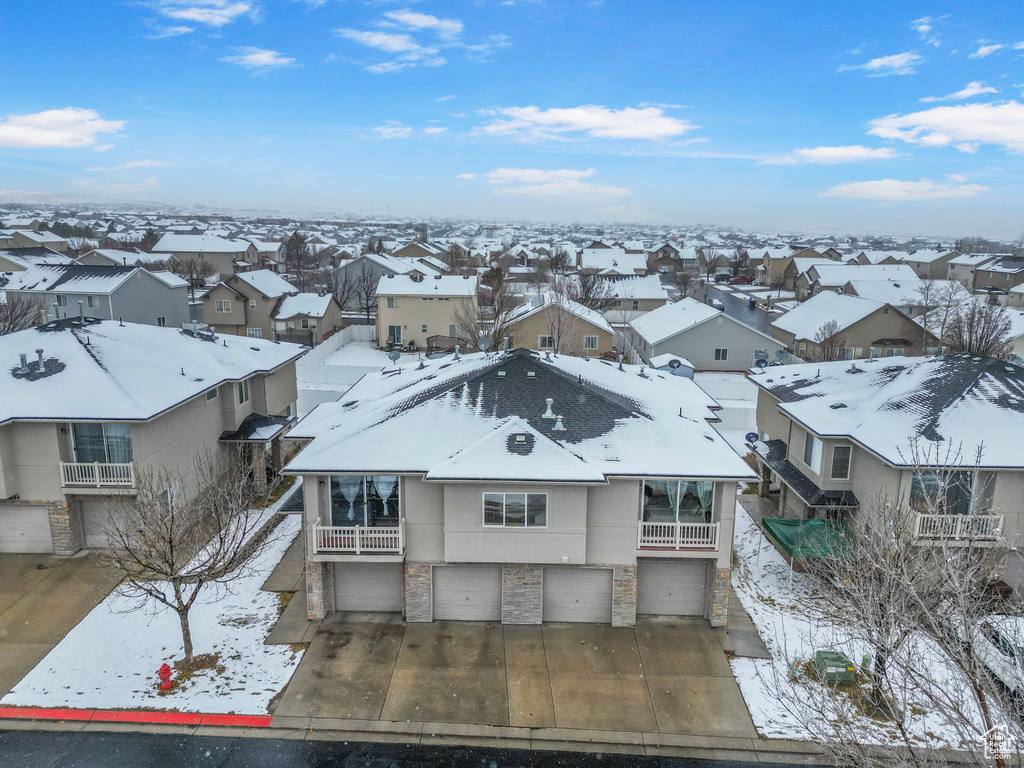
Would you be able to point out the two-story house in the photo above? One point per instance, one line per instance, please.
(225, 257)
(89, 403)
(838, 436)
(421, 310)
(631, 296)
(552, 322)
(519, 488)
(832, 277)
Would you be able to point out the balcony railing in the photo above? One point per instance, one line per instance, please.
(977, 527)
(358, 539)
(678, 536)
(97, 475)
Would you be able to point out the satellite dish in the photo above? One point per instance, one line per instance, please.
(673, 364)
(482, 343)
(762, 363)
(760, 354)
(751, 437)
(780, 353)
(394, 355)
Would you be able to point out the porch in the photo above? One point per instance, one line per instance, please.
(359, 539)
(96, 474)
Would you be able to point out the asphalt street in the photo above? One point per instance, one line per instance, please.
(60, 749)
(737, 307)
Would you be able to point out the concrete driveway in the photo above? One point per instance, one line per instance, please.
(664, 675)
(41, 598)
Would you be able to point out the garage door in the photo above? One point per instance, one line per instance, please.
(95, 522)
(578, 594)
(667, 588)
(24, 528)
(467, 593)
(374, 587)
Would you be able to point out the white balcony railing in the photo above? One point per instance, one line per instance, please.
(358, 539)
(678, 536)
(97, 475)
(978, 527)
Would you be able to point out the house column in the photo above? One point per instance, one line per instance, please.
(624, 596)
(319, 590)
(717, 601)
(764, 487)
(419, 592)
(65, 526)
(522, 594)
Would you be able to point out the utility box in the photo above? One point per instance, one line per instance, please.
(833, 667)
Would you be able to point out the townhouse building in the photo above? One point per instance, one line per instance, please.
(551, 322)
(423, 311)
(225, 257)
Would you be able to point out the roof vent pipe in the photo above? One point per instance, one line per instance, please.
(620, 363)
(456, 351)
(23, 368)
(81, 312)
(559, 427)
(504, 344)
(548, 413)
(39, 352)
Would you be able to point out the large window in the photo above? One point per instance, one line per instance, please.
(368, 500)
(841, 462)
(590, 342)
(935, 492)
(395, 333)
(242, 390)
(682, 501)
(721, 353)
(394, 302)
(545, 342)
(105, 443)
(516, 510)
(223, 305)
(812, 452)
(254, 333)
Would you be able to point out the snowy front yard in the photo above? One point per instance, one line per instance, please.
(795, 621)
(110, 660)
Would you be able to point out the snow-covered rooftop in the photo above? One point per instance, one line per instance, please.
(173, 243)
(270, 284)
(303, 304)
(437, 285)
(672, 319)
(804, 320)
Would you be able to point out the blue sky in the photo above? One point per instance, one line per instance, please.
(869, 117)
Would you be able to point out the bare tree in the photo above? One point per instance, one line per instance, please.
(587, 288)
(829, 342)
(364, 290)
(564, 326)
(340, 284)
(941, 301)
(684, 281)
(297, 255)
(18, 312)
(558, 261)
(980, 329)
(193, 271)
(739, 261)
(457, 260)
(79, 245)
(708, 262)
(491, 314)
(181, 533)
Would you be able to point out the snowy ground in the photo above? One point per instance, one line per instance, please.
(794, 623)
(364, 353)
(110, 660)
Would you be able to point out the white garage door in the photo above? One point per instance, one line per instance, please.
(578, 594)
(374, 587)
(467, 593)
(667, 588)
(24, 528)
(95, 522)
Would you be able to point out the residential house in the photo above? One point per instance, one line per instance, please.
(23, 258)
(306, 318)
(363, 273)
(864, 258)
(418, 250)
(771, 263)
(551, 322)
(101, 401)
(835, 437)
(246, 304)
(832, 277)
(547, 489)
(423, 311)
(225, 257)
(912, 297)
(611, 261)
(28, 238)
(110, 257)
(930, 264)
(132, 294)
(630, 296)
(999, 275)
(867, 328)
(797, 267)
(707, 338)
(961, 268)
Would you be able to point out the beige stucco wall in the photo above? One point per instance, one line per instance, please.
(435, 312)
(527, 332)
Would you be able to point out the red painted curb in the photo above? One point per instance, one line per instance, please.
(117, 716)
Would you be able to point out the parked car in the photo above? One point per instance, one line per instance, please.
(998, 642)
(742, 280)
(662, 270)
(723, 277)
(717, 304)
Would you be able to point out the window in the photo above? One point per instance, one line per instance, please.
(812, 452)
(61, 300)
(848, 353)
(801, 349)
(201, 257)
(394, 302)
(223, 305)
(252, 305)
(395, 333)
(423, 329)
(254, 333)
(211, 394)
(366, 500)
(307, 324)
(841, 462)
(545, 342)
(90, 302)
(516, 510)
(678, 501)
(590, 342)
(169, 495)
(242, 389)
(721, 353)
(105, 443)
(874, 352)
(938, 492)
(162, 322)
(454, 332)
(636, 304)
(894, 352)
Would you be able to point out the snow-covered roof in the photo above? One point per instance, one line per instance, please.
(110, 371)
(899, 293)
(835, 274)
(804, 320)
(925, 256)
(672, 319)
(545, 299)
(174, 243)
(269, 283)
(637, 287)
(28, 257)
(972, 259)
(665, 361)
(942, 409)
(71, 278)
(614, 259)
(303, 304)
(458, 419)
(169, 278)
(437, 285)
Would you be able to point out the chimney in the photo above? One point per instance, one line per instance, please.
(559, 427)
(548, 413)
(39, 352)
(23, 368)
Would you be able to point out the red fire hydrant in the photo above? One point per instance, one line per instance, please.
(165, 677)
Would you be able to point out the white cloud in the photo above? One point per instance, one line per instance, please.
(831, 155)
(973, 88)
(467, 176)
(446, 28)
(896, 64)
(589, 120)
(535, 175)
(410, 53)
(449, 97)
(259, 59)
(895, 190)
(131, 165)
(435, 129)
(964, 126)
(118, 187)
(212, 13)
(393, 130)
(67, 127)
(163, 33)
(569, 188)
(925, 28)
(986, 50)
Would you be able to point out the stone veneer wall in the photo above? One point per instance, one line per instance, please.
(319, 590)
(65, 527)
(419, 592)
(522, 594)
(624, 596)
(719, 587)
